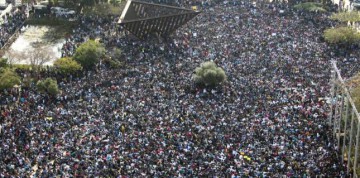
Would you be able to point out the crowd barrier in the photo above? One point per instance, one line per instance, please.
(345, 120)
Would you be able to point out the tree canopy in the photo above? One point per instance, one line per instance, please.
(39, 56)
(47, 86)
(3, 62)
(115, 2)
(67, 65)
(355, 94)
(103, 9)
(8, 79)
(88, 54)
(311, 7)
(342, 35)
(354, 87)
(82, 3)
(209, 75)
(348, 16)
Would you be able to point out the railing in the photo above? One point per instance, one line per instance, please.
(345, 120)
(10, 40)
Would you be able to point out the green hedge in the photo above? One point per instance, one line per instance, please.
(311, 7)
(351, 16)
(342, 35)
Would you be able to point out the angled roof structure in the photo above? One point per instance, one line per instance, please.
(143, 19)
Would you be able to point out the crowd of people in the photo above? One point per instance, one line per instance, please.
(95, 27)
(13, 21)
(148, 120)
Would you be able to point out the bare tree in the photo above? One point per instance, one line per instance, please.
(39, 56)
(13, 56)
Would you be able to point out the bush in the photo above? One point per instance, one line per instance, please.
(113, 59)
(3, 63)
(115, 64)
(311, 7)
(26, 67)
(67, 65)
(117, 53)
(47, 86)
(28, 82)
(353, 84)
(88, 54)
(342, 35)
(355, 94)
(8, 79)
(209, 75)
(349, 16)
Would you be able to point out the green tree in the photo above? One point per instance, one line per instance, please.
(3, 62)
(348, 16)
(113, 58)
(342, 36)
(209, 75)
(47, 86)
(67, 65)
(8, 79)
(88, 2)
(117, 53)
(79, 4)
(71, 3)
(354, 84)
(89, 53)
(115, 2)
(53, 2)
(356, 96)
(311, 7)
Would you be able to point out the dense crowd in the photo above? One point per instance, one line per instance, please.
(92, 27)
(14, 21)
(148, 120)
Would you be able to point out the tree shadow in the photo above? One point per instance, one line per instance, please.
(58, 28)
(58, 32)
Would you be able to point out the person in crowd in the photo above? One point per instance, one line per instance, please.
(13, 22)
(147, 120)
